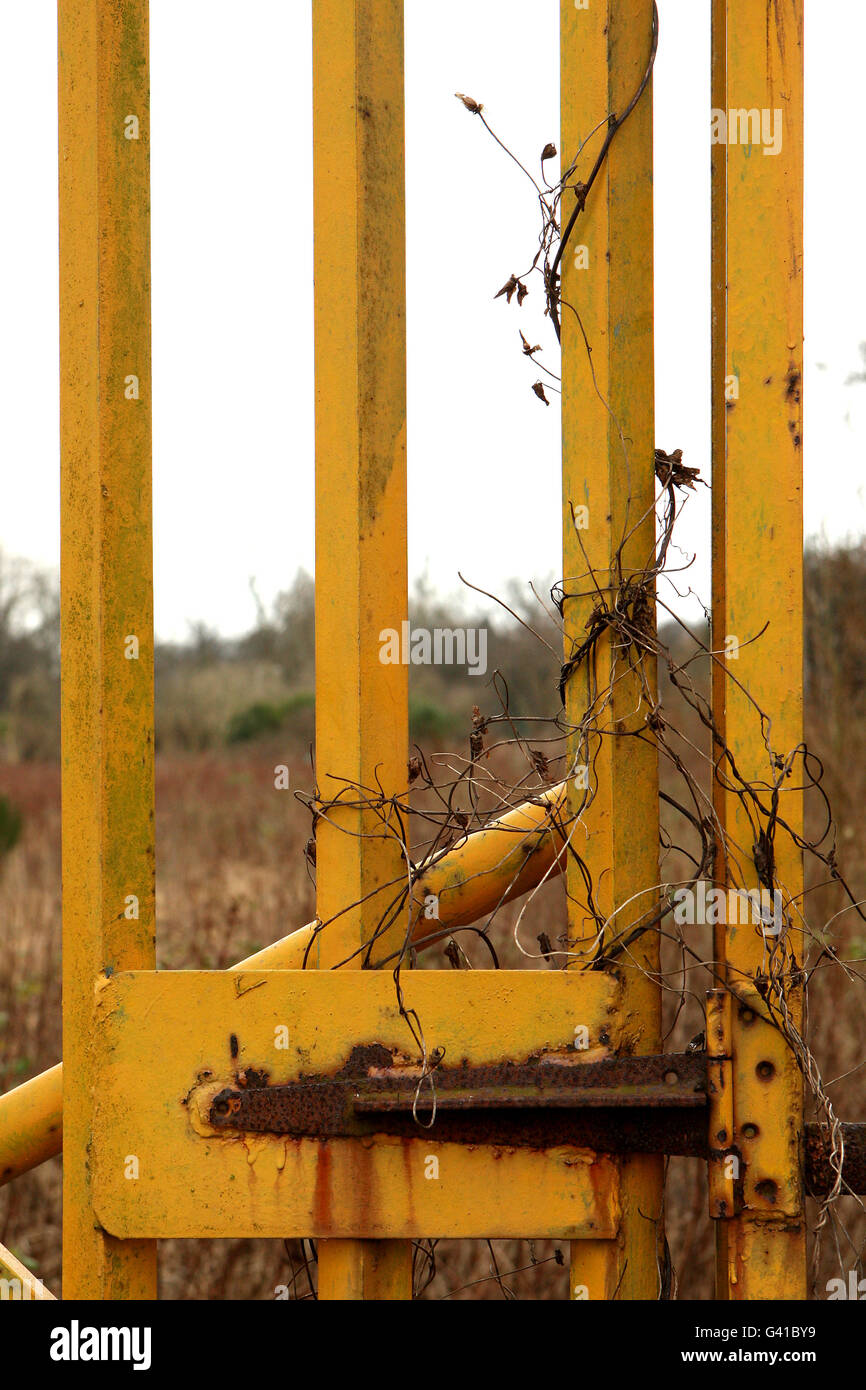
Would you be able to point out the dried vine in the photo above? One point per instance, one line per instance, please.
(516, 756)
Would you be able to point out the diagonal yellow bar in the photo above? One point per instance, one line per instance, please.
(608, 491)
(509, 857)
(106, 587)
(362, 722)
(758, 578)
(31, 1123)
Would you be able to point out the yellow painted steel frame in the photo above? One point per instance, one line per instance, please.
(141, 1161)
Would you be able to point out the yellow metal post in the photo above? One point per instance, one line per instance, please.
(362, 728)
(757, 579)
(608, 486)
(106, 563)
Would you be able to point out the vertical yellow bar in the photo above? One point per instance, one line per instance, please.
(362, 732)
(608, 487)
(757, 579)
(106, 581)
(719, 290)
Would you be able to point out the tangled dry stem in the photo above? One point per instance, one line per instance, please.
(453, 795)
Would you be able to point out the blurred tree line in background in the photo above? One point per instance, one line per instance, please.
(213, 691)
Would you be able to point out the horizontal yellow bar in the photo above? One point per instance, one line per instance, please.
(160, 1172)
(508, 858)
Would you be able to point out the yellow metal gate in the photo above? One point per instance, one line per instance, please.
(168, 1077)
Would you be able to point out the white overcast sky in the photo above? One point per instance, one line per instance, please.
(232, 289)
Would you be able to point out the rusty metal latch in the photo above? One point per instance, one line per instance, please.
(658, 1104)
(546, 1100)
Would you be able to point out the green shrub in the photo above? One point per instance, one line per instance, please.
(428, 720)
(253, 722)
(269, 717)
(294, 716)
